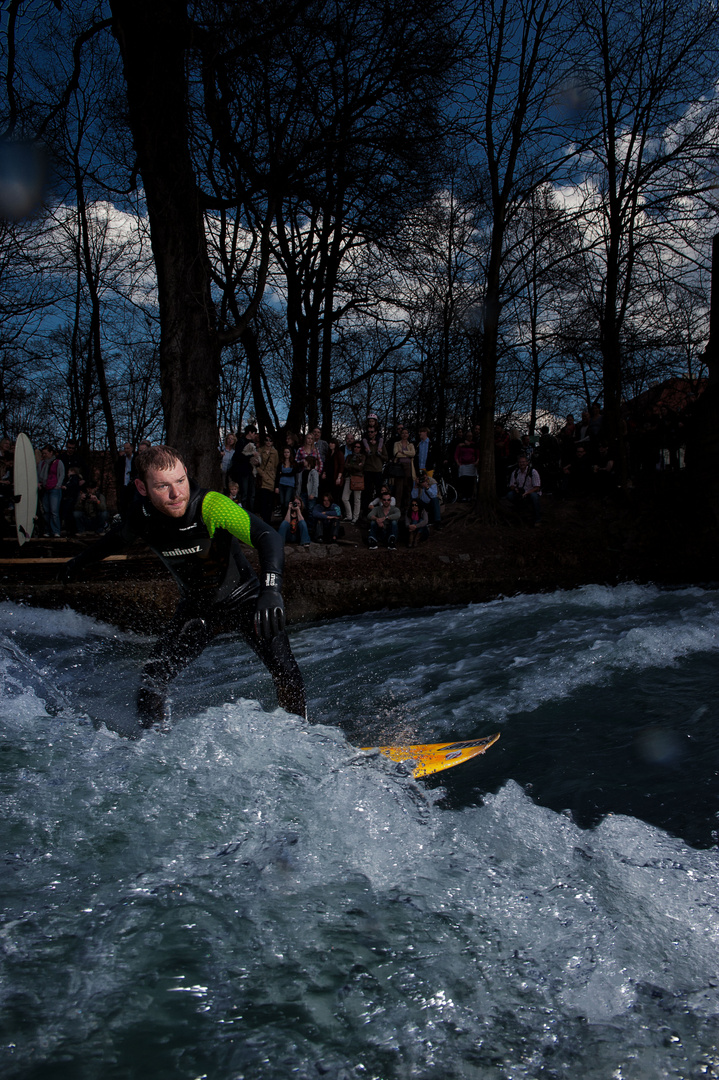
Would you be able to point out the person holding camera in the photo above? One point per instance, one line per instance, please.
(525, 487)
(90, 511)
(293, 529)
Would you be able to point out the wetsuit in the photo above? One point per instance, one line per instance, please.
(220, 591)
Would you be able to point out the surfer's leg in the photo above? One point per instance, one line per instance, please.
(182, 643)
(279, 660)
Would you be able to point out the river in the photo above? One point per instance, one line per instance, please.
(249, 897)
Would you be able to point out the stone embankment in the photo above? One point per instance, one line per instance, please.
(663, 541)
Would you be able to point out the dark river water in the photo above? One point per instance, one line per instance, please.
(248, 896)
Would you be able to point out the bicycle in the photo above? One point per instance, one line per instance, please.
(447, 493)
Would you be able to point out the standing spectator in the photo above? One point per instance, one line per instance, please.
(71, 489)
(515, 446)
(582, 430)
(404, 454)
(596, 421)
(124, 479)
(291, 441)
(546, 460)
(70, 457)
(426, 459)
(375, 456)
(354, 483)
(227, 455)
(308, 450)
(568, 443)
(332, 479)
(7, 463)
(605, 478)
(50, 475)
(75, 473)
(321, 446)
(286, 479)
(501, 458)
(266, 477)
(243, 466)
(372, 427)
(308, 484)
(525, 486)
(465, 457)
(578, 474)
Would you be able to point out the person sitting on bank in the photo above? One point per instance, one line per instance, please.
(384, 490)
(293, 529)
(383, 521)
(417, 524)
(326, 517)
(525, 487)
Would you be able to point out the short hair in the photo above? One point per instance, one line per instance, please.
(157, 457)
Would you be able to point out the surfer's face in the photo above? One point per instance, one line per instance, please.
(167, 489)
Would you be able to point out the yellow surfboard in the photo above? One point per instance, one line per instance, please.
(432, 758)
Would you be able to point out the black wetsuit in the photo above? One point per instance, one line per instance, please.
(220, 591)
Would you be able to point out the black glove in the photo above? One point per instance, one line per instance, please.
(270, 611)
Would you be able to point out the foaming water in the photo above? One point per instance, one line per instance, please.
(247, 896)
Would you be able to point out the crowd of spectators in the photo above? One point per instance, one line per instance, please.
(386, 483)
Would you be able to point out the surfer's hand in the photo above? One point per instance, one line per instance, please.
(270, 613)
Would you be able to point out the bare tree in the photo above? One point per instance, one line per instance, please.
(646, 69)
(519, 63)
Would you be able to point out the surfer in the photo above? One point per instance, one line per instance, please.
(196, 533)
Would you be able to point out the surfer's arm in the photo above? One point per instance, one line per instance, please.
(110, 544)
(219, 512)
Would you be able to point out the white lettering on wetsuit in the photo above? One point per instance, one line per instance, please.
(183, 551)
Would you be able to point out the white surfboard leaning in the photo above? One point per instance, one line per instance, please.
(25, 482)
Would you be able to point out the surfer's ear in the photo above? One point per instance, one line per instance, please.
(140, 487)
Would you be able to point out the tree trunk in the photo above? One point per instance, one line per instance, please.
(153, 40)
(487, 483)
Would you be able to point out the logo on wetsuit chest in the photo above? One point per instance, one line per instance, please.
(183, 551)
